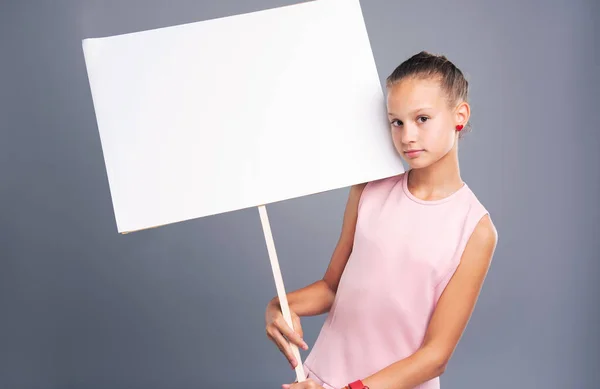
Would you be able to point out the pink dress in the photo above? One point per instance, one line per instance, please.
(405, 252)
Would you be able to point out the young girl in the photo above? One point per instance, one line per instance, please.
(412, 256)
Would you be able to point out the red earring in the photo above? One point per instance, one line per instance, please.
(459, 127)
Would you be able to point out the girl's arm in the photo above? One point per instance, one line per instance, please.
(450, 317)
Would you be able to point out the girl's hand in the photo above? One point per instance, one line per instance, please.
(280, 333)
(308, 384)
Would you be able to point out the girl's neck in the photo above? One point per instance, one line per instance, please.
(436, 181)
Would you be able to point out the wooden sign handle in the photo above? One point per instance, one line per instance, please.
(285, 309)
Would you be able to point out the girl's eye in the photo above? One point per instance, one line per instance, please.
(423, 119)
(396, 123)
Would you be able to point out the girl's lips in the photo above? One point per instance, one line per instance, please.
(413, 153)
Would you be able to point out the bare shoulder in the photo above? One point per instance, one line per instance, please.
(479, 250)
(484, 236)
(351, 212)
(486, 230)
(357, 189)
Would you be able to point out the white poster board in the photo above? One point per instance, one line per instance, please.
(236, 112)
(230, 113)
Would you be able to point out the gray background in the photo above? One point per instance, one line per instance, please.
(182, 306)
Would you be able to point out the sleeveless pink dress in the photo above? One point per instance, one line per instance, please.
(405, 252)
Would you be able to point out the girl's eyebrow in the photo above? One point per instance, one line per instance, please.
(412, 112)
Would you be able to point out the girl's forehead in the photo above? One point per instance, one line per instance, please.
(414, 93)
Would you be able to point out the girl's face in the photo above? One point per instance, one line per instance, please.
(423, 125)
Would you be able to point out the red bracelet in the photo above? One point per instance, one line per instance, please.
(357, 385)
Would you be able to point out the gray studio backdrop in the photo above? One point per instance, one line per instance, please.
(182, 306)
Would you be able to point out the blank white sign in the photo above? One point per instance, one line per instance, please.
(225, 114)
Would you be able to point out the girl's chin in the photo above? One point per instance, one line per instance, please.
(416, 163)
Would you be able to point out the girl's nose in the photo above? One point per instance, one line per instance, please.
(409, 134)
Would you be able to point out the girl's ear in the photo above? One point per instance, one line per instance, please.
(462, 113)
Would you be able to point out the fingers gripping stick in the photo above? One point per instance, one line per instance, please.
(285, 310)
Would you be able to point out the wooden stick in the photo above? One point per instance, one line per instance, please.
(285, 309)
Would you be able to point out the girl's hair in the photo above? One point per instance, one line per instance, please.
(427, 65)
